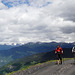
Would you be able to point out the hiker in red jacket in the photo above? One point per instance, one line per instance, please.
(59, 53)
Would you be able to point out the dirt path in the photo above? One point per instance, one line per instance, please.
(67, 68)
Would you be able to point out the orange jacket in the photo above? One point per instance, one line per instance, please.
(59, 50)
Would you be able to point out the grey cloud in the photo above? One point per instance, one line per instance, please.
(68, 29)
(68, 10)
(64, 9)
(69, 15)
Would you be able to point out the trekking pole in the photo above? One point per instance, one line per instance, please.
(55, 58)
(63, 58)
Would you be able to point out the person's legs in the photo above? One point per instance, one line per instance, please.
(61, 61)
(58, 62)
(60, 58)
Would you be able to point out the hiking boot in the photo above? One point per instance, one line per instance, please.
(60, 61)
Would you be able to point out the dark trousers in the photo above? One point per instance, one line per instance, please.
(59, 57)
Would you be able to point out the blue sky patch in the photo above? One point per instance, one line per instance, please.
(47, 3)
(10, 4)
(27, 2)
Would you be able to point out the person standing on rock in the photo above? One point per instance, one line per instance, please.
(73, 51)
(59, 52)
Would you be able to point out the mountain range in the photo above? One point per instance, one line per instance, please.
(29, 49)
(6, 47)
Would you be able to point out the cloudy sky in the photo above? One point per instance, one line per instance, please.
(23, 21)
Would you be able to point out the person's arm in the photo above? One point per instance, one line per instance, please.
(56, 51)
(61, 50)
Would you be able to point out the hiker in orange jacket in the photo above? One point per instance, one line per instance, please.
(59, 52)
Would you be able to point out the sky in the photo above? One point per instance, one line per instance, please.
(23, 21)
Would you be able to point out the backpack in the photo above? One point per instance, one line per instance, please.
(58, 51)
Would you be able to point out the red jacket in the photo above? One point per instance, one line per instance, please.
(59, 50)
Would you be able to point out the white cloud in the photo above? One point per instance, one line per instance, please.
(23, 23)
